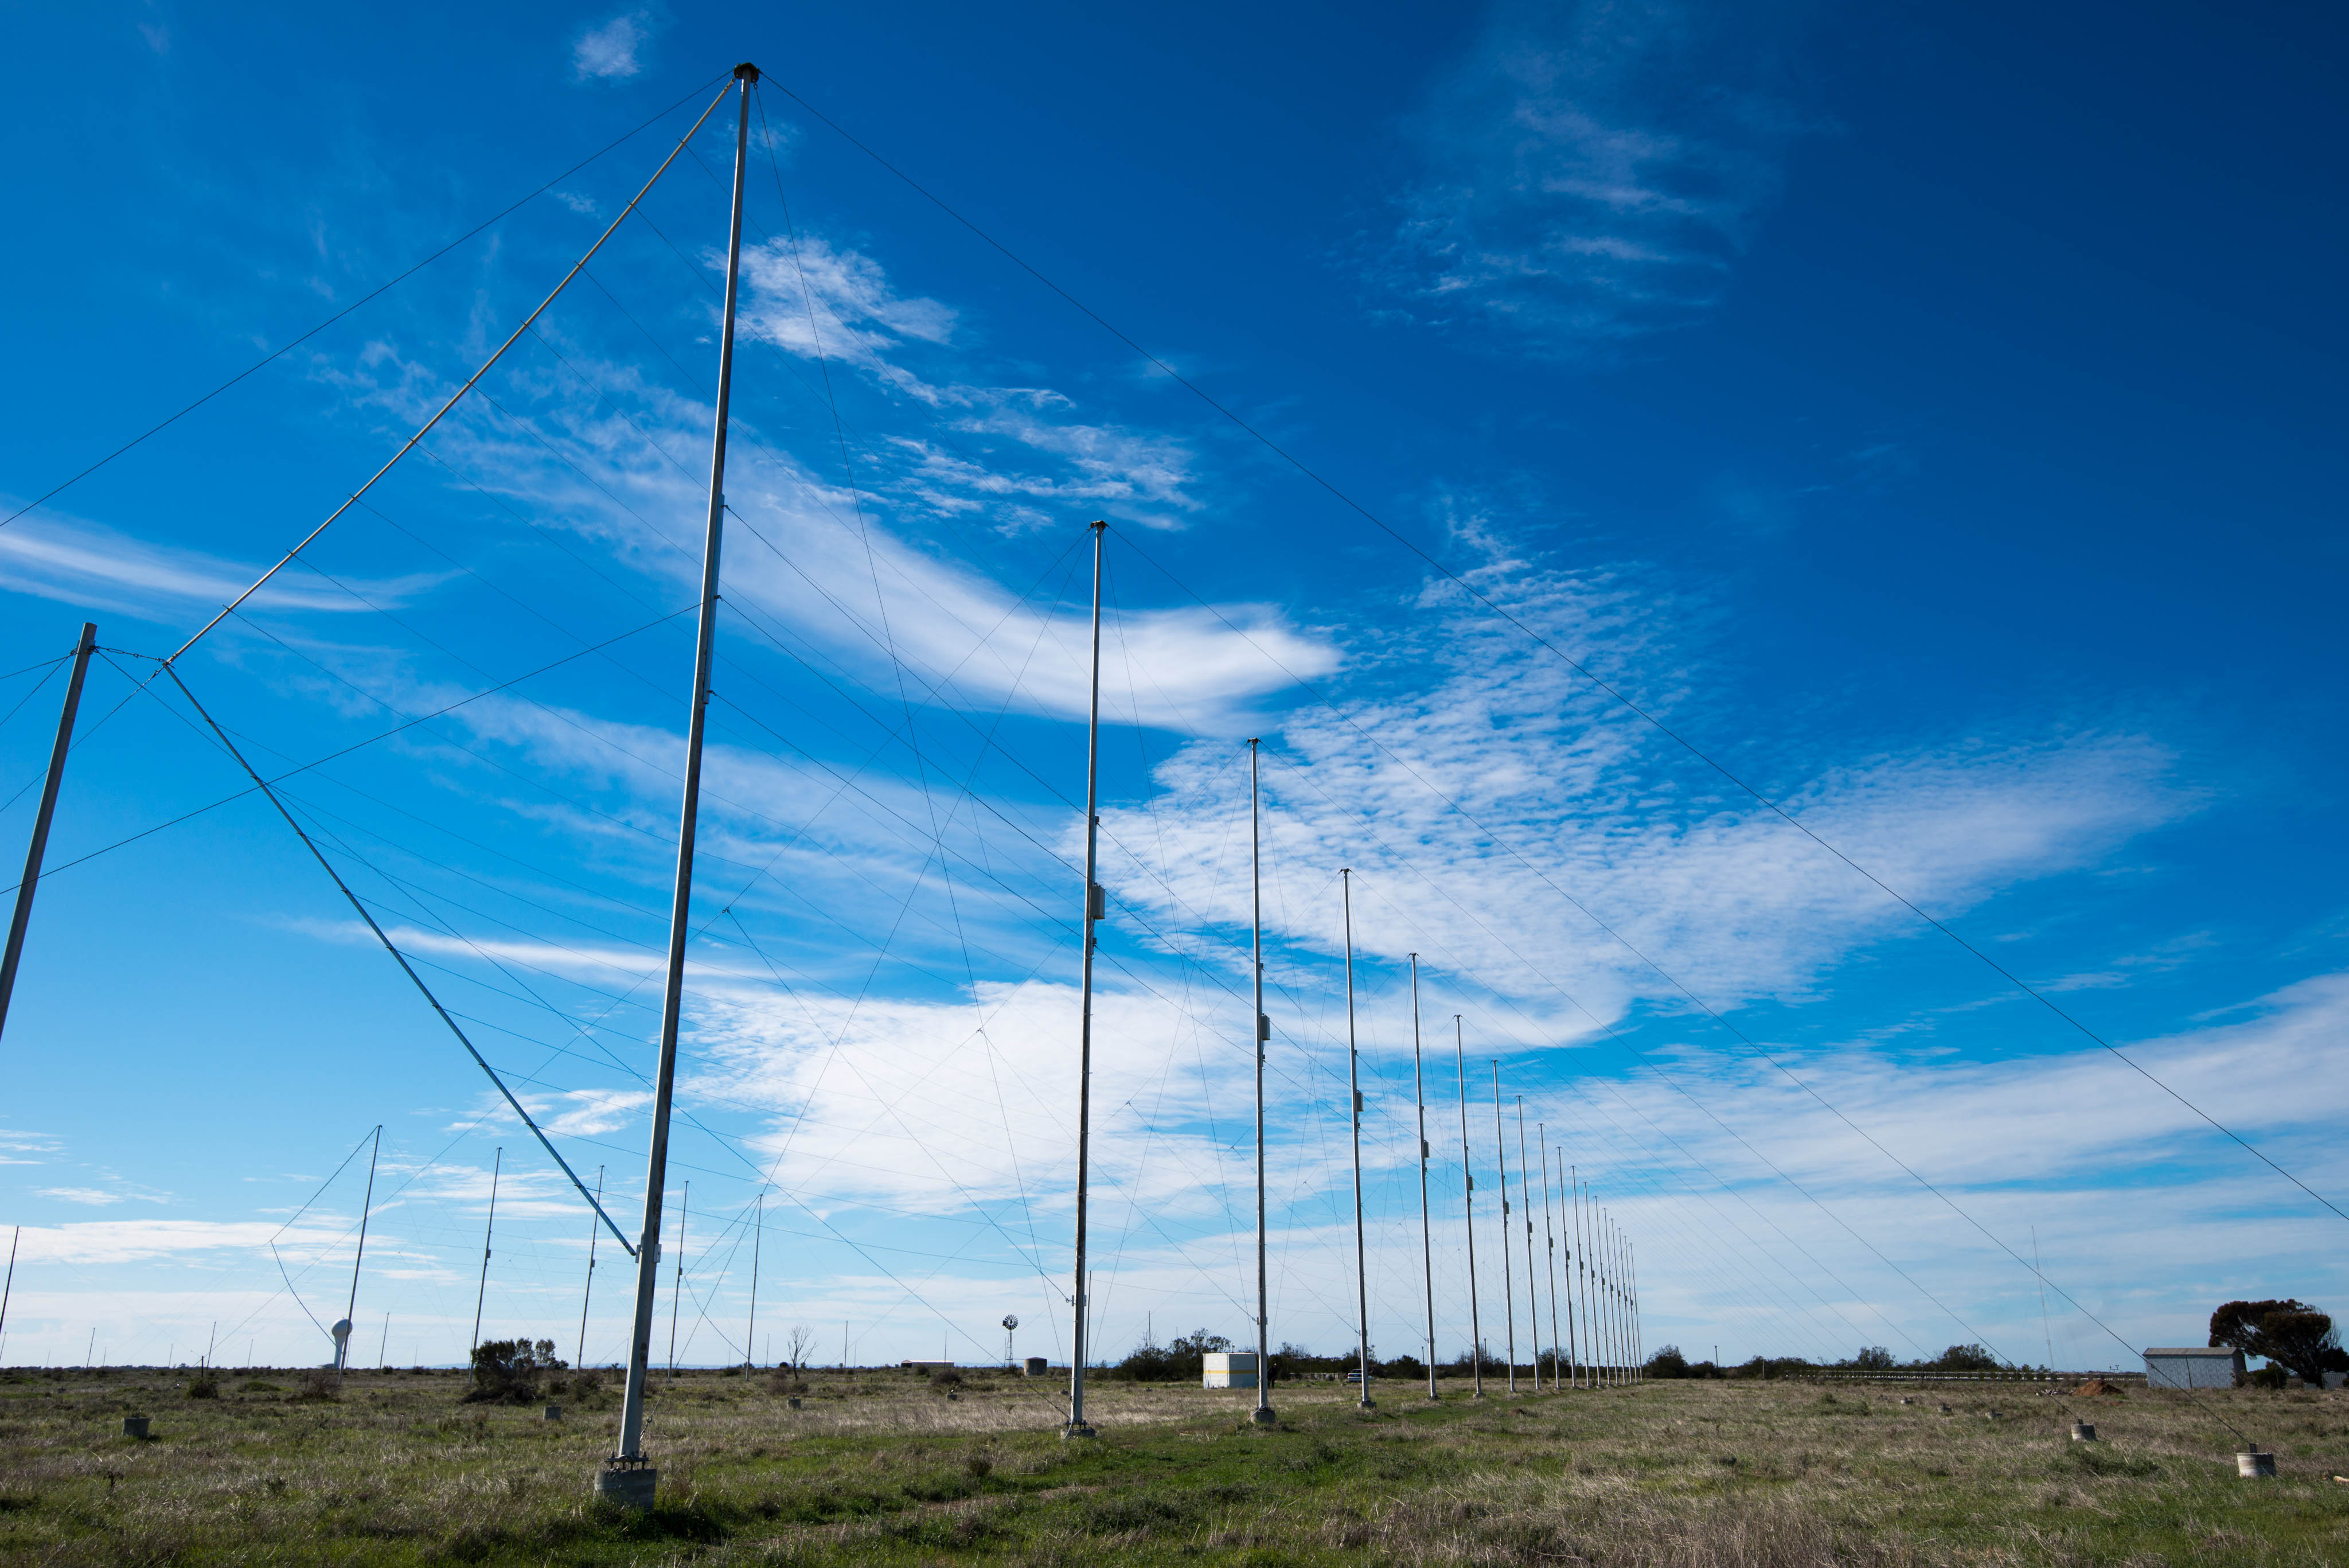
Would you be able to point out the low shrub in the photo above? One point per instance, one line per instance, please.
(205, 1384)
(510, 1371)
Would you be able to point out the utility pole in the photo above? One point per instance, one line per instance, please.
(1426, 1232)
(350, 1308)
(1533, 1288)
(39, 846)
(1096, 906)
(488, 1230)
(1262, 1415)
(626, 1477)
(1355, 1084)
(587, 1291)
(1508, 1286)
(1468, 1214)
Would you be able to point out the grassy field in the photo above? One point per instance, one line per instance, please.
(883, 1468)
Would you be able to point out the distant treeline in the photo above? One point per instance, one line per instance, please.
(1669, 1362)
(1184, 1361)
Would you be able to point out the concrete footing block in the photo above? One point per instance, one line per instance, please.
(135, 1425)
(551, 1412)
(2084, 1431)
(2254, 1464)
(629, 1485)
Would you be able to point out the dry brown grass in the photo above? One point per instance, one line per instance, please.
(886, 1468)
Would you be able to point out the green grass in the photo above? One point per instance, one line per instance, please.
(882, 1469)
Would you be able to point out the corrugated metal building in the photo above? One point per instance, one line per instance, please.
(2193, 1366)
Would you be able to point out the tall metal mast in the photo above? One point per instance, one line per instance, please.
(39, 846)
(1262, 1415)
(1468, 1215)
(1602, 1320)
(1533, 1286)
(1615, 1297)
(350, 1308)
(1582, 1281)
(1355, 1084)
(1607, 1297)
(625, 1475)
(1632, 1273)
(1508, 1286)
(1630, 1306)
(1549, 1240)
(489, 1229)
(1426, 1232)
(1095, 907)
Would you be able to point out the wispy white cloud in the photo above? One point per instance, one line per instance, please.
(91, 1197)
(816, 554)
(85, 563)
(1590, 171)
(817, 301)
(98, 1242)
(610, 53)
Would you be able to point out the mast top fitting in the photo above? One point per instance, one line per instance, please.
(746, 72)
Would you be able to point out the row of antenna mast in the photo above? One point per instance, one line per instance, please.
(1601, 1348)
(1600, 1271)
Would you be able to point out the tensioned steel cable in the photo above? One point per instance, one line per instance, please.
(1627, 702)
(454, 397)
(288, 346)
(397, 957)
(346, 750)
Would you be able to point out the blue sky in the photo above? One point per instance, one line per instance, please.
(1934, 419)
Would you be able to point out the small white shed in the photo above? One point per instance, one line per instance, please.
(2193, 1366)
(1227, 1369)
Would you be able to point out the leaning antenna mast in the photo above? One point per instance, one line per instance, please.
(39, 846)
(1096, 905)
(587, 1291)
(627, 1476)
(489, 1231)
(350, 1308)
